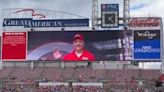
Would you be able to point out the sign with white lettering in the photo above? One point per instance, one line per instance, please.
(30, 23)
(146, 45)
(14, 46)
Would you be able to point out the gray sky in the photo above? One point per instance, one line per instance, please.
(83, 7)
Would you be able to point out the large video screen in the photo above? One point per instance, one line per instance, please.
(75, 46)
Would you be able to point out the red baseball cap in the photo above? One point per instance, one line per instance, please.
(78, 36)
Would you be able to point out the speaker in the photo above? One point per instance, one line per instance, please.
(158, 83)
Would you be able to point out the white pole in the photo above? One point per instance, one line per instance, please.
(1, 65)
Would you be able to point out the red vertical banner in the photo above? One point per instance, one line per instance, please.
(14, 46)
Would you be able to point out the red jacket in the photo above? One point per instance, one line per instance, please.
(86, 56)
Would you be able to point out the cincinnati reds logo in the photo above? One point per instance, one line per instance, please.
(32, 14)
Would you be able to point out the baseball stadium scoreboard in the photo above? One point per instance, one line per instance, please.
(144, 42)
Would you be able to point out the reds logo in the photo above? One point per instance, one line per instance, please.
(32, 13)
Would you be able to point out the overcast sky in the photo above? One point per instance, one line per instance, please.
(83, 7)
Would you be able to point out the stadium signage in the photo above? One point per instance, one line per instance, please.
(146, 45)
(146, 34)
(109, 15)
(144, 22)
(14, 46)
(147, 49)
(30, 23)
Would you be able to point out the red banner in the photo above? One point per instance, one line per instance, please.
(14, 46)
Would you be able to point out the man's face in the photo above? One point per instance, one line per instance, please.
(57, 51)
(78, 44)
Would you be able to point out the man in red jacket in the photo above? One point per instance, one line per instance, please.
(79, 53)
